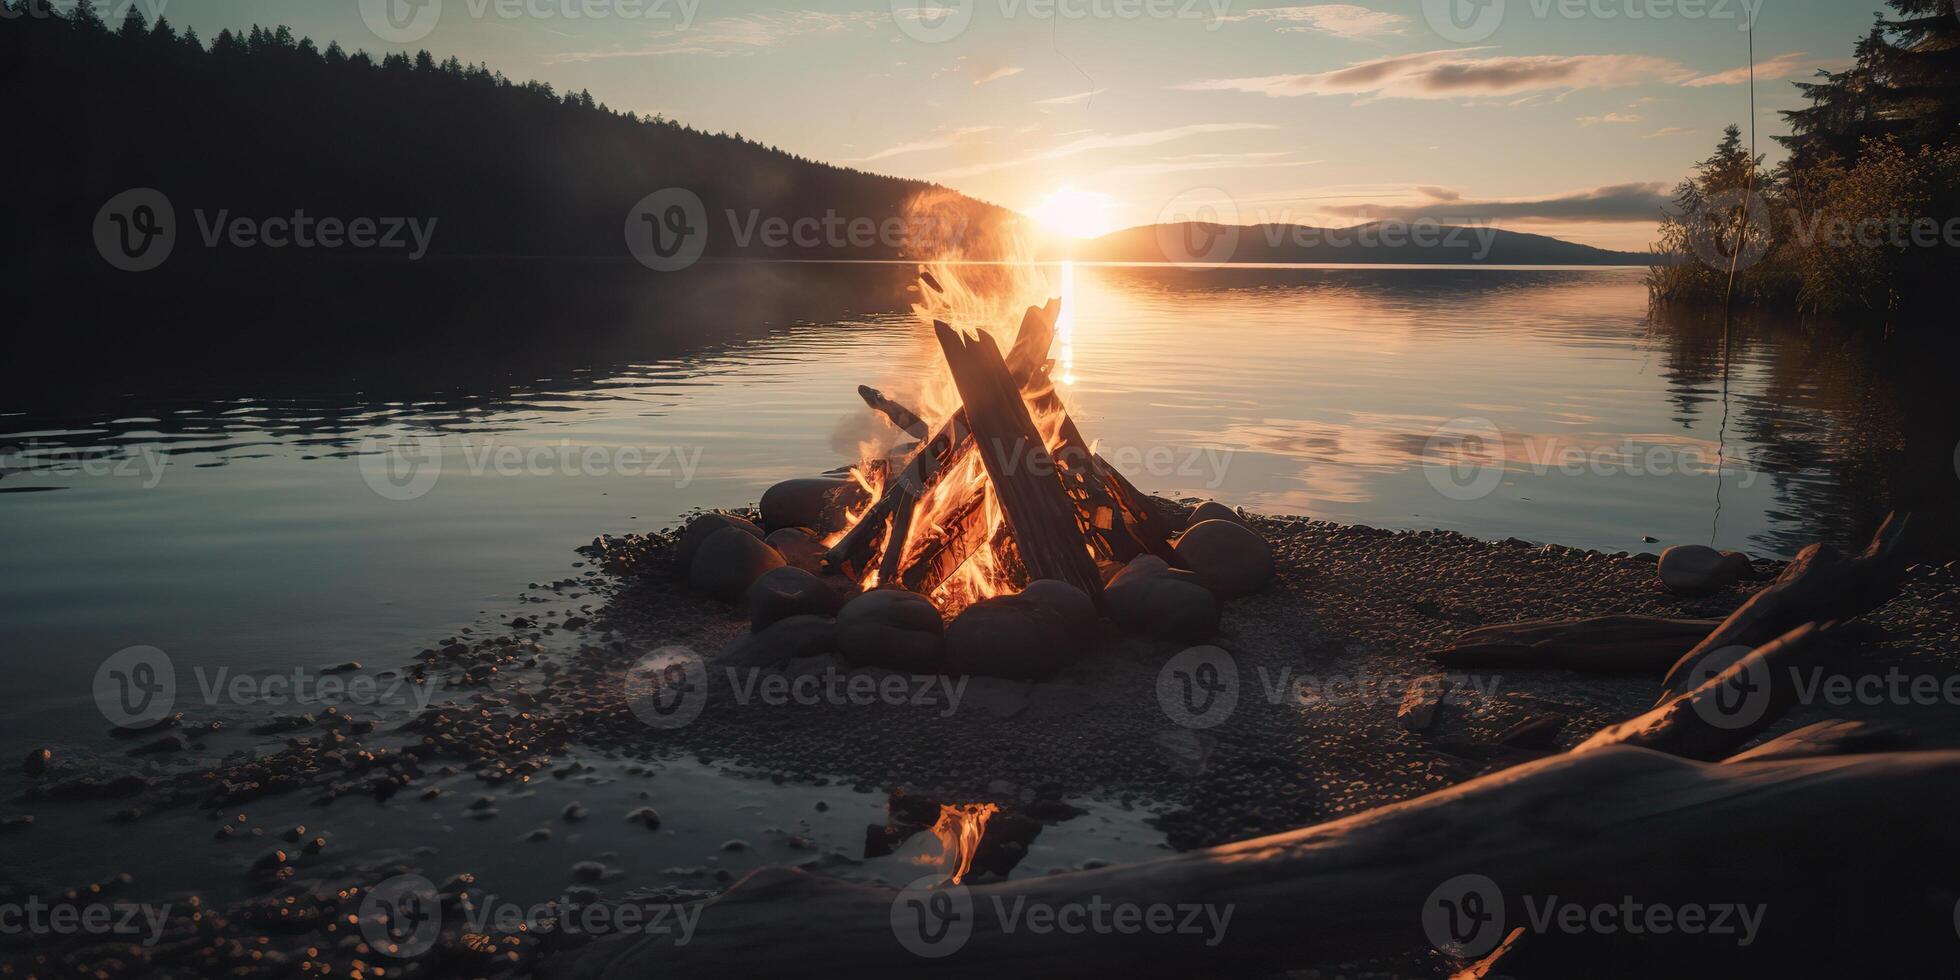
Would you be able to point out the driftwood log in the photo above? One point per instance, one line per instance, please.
(1819, 585)
(1728, 708)
(1813, 840)
(1648, 645)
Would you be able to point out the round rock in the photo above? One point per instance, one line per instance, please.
(799, 548)
(1150, 598)
(699, 530)
(1694, 569)
(1010, 636)
(1228, 557)
(784, 592)
(730, 561)
(1212, 510)
(1070, 605)
(894, 629)
(812, 502)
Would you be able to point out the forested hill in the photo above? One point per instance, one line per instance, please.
(262, 124)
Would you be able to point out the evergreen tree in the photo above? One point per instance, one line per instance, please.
(192, 41)
(335, 56)
(86, 17)
(134, 27)
(162, 31)
(1904, 81)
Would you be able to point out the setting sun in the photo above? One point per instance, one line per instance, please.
(1075, 214)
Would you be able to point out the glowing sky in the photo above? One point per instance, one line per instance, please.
(1562, 117)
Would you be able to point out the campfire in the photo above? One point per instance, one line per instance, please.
(1001, 488)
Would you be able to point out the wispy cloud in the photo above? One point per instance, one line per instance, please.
(738, 35)
(1072, 99)
(1667, 131)
(1781, 66)
(1104, 141)
(939, 140)
(1449, 74)
(1191, 162)
(1339, 19)
(1617, 202)
(998, 74)
(1610, 119)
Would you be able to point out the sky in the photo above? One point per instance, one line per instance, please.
(1569, 118)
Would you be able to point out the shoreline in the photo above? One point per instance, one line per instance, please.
(1325, 658)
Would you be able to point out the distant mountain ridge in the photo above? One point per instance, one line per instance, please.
(1375, 242)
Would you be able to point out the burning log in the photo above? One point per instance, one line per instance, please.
(1037, 508)
(900, 416)
(852, 554)
(1584, 827)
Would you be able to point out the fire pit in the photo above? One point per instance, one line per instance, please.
(992, 542)
(1002, 492)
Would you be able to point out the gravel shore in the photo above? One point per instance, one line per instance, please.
(1324, 660)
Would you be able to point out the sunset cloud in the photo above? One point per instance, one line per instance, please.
(1781, 66)
(1610, 119)
(1617, 202)
(997, 74)
(1667, 131)
(941, 140)
(1104, 141)
(1072, 99)
(1449, 74)
(1339, 19)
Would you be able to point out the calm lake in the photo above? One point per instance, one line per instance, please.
(223, 511)
(234, 499)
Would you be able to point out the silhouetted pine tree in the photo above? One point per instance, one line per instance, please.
(1904, 81)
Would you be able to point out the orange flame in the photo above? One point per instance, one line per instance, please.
(990, 295)
(959, 828)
